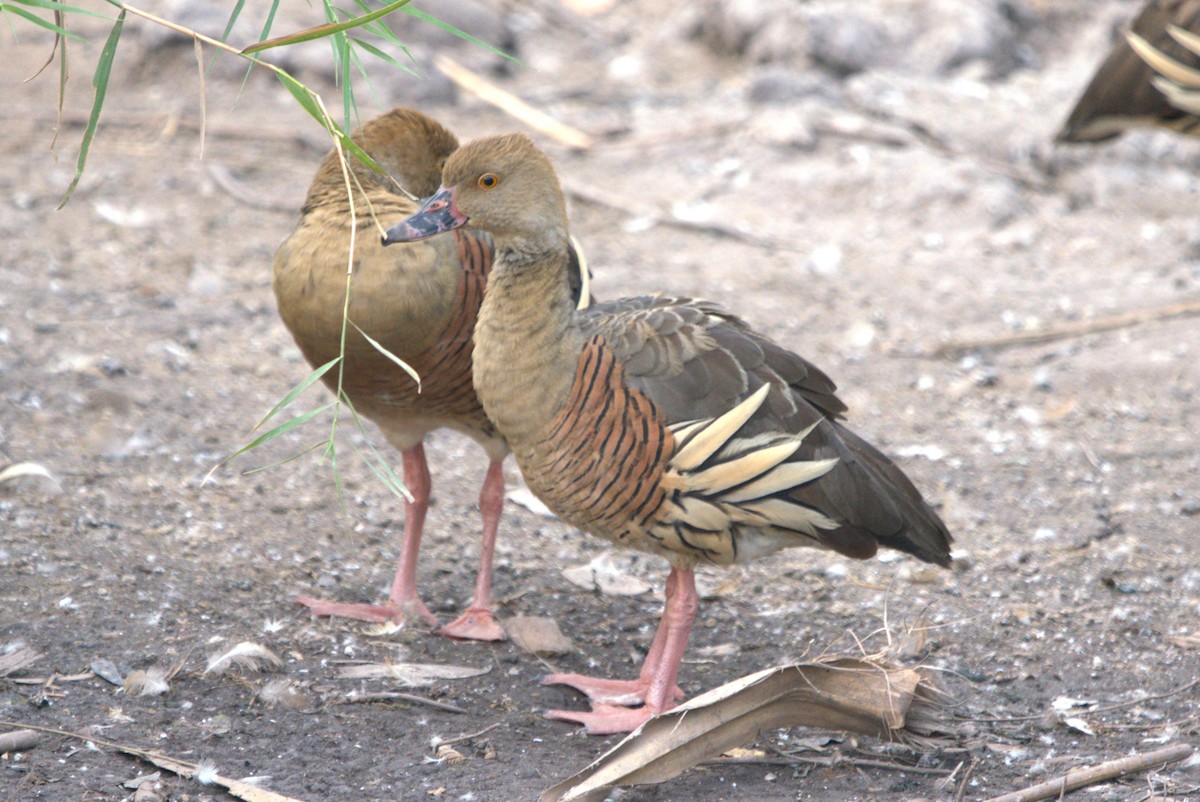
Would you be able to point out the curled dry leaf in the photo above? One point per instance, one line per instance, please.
(858, 695)
(246, 655)
(412, 674)
(538, 635)
(18, 741)
(151, 682)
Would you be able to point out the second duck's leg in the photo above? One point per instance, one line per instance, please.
(627, 692)
(404, 604)
(656, 683)
(478, 622)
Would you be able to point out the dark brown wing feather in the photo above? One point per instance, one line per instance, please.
(694, 360)
(1121, 95)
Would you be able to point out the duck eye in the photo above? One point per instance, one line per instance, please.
(488, 180)
(441, 165)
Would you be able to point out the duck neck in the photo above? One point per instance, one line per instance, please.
(526, 343)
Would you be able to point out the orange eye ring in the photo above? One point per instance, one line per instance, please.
(489, 181)
(441, 165)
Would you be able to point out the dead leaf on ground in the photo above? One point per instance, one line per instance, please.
(537, 635)
(606, 575)
(16, 657)
(412, 674)
(858, 695)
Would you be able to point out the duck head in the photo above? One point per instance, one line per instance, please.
(503, 185)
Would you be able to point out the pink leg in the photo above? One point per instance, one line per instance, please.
(626, 692)
(403, 602)
(478, 623)
(661, 692)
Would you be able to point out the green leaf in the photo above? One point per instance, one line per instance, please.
(285, 460)
(100, 83)
(379, 54)
(328, 29)
(445, 26)
(400, 362)
(52, 5)
(304, 384)
(384, 471)
(41, 23)
(306, 99)
(282, 428)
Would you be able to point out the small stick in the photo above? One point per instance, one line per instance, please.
(471, 737)
(389, 696)
(828, 762)
(1109, 770)
(1109, 323)
(18, 741)
(512, 105)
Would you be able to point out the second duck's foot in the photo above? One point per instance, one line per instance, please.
(474, 624)
(605, 719)
(412, 612)
(606, 692)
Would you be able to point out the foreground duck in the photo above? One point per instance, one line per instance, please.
(1124, 93)
(419, 302)
(665, 425)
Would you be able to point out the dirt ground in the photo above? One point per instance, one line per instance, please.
(871, 215)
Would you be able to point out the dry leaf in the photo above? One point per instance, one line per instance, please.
(412, 674)
(17, 656)
(604, 574)
(205, 772)
(850, 694)
(537, 635)
(247, 655)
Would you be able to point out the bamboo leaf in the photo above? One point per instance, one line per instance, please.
(281, 429)
(328, 29)
(304, 384)
(305, 97)
(379, 54)
(52, 5)
(286, 460)
(100, 83)
(400, 362)
(448, 28)
(38, 21)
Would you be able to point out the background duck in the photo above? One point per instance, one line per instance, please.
(665, 425)
(1122, 94)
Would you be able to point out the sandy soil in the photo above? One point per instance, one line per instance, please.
(871, 218)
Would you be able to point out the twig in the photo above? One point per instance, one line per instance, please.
(389, 696)
(962, 785)
(828, 762)
(471, 737)
(1109, 770)
(1121, 321)
(512, 105)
